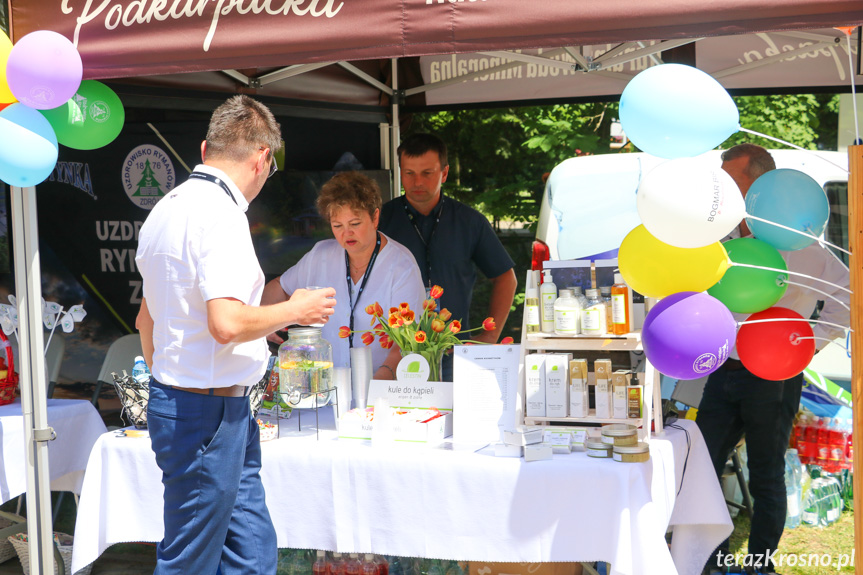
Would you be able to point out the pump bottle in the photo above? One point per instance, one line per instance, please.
(548, 295)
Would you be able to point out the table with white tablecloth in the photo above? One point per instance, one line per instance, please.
(78, 426)
(347, 496)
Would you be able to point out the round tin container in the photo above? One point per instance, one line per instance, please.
(637, 453)
(620, 434)
(598, 449)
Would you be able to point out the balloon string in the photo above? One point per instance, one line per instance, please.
(748, 321)
(831, 296)
(853, 91)
(827, 339)
(742, 265)
(808, 234)
(765, 136)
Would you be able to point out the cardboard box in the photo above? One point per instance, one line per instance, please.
(579, 402)
(534, 384)
(620, 398)
(560, 441)
(537, 452)
(523, 436)
(603, 393)
(504, 450)
(557, 384)
(416, 397)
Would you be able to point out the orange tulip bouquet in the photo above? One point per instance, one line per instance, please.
(430, 335)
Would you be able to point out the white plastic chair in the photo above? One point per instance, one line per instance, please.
(120, 356)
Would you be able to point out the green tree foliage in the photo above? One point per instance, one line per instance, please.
(498, 157)
(806, 120)
(4, 18)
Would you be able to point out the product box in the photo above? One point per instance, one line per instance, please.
(504, 450)
(415, 401)
(620, 398)
(635, 395)
(534, 384)
(560, 441)
(557, 384)
(522, 436)
(537, 452)
(603, 393)
(579, 402)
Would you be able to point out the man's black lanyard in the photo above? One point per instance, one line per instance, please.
(427, 244)
(214, 180)
(362, 285)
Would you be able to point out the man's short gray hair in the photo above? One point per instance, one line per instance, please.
(240, 127)
(760, 160)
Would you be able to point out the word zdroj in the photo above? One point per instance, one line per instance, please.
(788, 559)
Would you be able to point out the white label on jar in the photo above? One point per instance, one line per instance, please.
(548, 307)
(617, 457)
(618, 308)
(793, 505)
(566, 320)
(607, 439)
(597, 453)
(591, 320)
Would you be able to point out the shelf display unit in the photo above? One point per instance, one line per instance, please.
(551, 343)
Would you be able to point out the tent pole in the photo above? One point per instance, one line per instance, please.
(855, 243)
(37, 433)
(396, 130)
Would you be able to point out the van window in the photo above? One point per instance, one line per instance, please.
(837, 226)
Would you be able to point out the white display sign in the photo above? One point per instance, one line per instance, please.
(485, 383)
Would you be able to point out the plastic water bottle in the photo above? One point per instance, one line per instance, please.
(811, 435)
(793, 476)
(810, 508)
(319, 567)
(140, 371)
(823, 453)
(833, 496)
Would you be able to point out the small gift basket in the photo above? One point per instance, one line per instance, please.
(134, 396)
(63, 543)
(8, 377)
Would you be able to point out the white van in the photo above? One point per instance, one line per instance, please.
(589, 202)
(589, 206)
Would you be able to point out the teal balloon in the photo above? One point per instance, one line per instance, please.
(28, 146)
(90, 119)
(791, 198)
(748, 290)
(677, 111)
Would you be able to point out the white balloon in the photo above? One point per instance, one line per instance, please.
(687, 204)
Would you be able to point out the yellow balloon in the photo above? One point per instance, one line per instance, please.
(656, 269)
(6, 96)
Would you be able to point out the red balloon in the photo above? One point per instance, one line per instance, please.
(773, 350)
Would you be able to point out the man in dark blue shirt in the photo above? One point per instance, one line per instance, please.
(448, 238)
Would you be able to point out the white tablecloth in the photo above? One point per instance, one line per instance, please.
(78, 426)
(347, 496)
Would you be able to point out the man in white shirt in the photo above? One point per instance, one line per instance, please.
(737, 403)
(202, 332)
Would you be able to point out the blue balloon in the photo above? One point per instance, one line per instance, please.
(790, 198)
(677, 111)
(28, 146)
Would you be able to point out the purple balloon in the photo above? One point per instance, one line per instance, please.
(688, 335)
(44, 70)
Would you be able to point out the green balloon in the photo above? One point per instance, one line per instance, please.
(748, 290)
(90, 119)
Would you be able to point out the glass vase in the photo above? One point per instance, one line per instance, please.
(434, 359)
